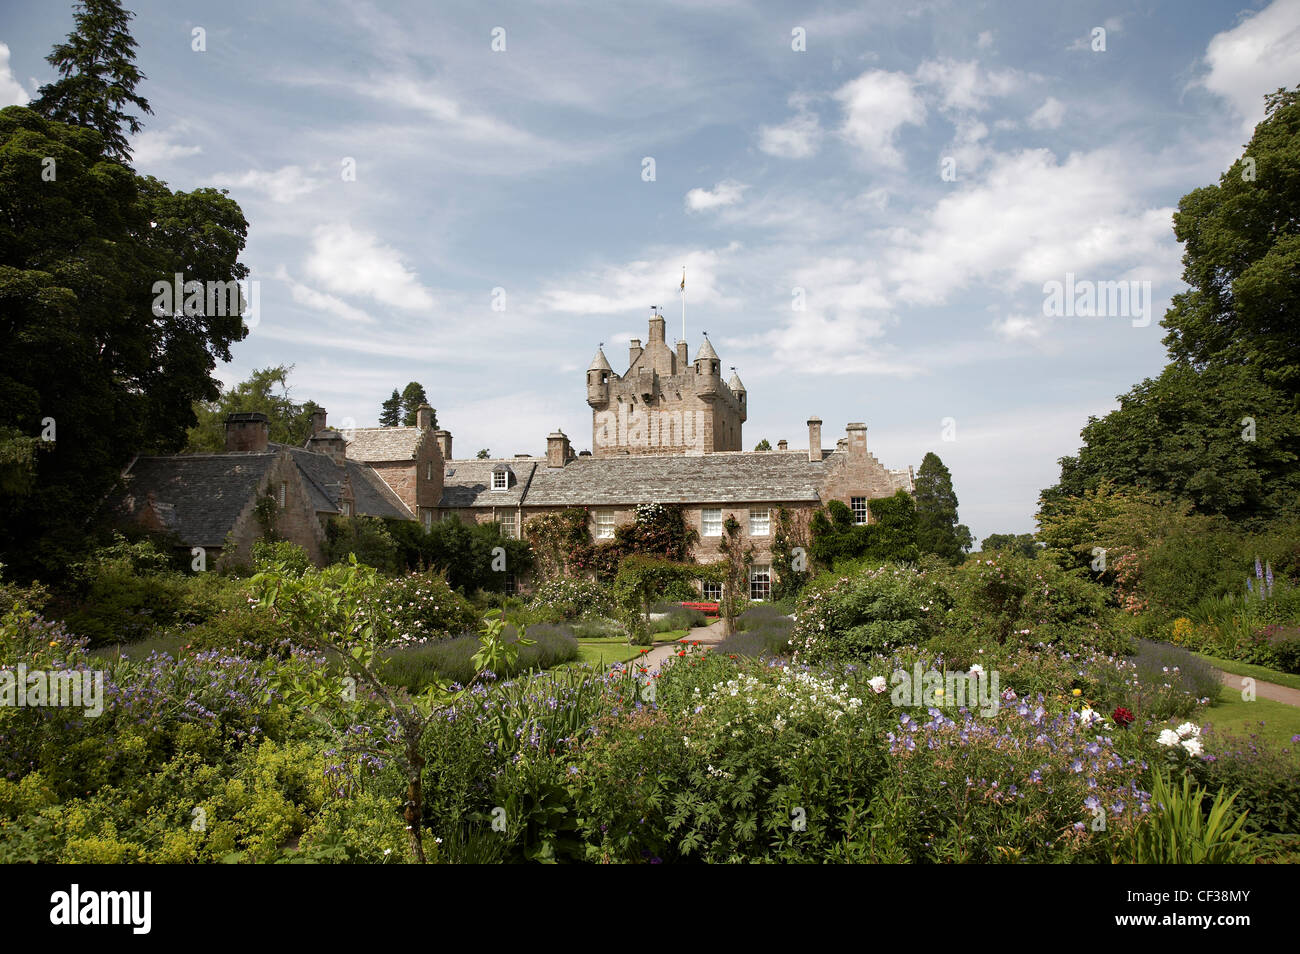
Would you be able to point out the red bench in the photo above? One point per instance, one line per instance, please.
(708, 609)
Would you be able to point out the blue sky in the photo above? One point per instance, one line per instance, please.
(774, 170)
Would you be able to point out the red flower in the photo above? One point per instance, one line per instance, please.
(1123, 718)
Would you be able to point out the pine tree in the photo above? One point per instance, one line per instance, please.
(98, 76)
(937, 529)
(390, 414)
(484, 454)
(412, 397)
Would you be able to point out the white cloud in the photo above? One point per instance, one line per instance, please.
(964, 85)
(985, 40)
(313, 298)
(1048, 115)
(875, 105)
(351, 262)
(1030, 220)
(1018, 328)
(798, 138)
(1258, 56)
(281, 185)
(637, 285)
(726, 192)
(11, 91)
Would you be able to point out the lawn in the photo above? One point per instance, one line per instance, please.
(1262, 673)
(607, 650)
(1235, 717)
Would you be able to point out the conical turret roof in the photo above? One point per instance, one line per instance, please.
(735, 383)
(706, 351)
(600, 362)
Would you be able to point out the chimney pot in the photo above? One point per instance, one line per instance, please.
(557, 449)
(318, 420)
(444, 443)
(782, 444)
(424, 417)
(814, 439)
(247, 432)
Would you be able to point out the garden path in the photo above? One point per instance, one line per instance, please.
(1264, 690)
(707, 635)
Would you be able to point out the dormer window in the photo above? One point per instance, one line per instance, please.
(500, 477)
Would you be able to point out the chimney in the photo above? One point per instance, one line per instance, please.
(656, 328)
(247, 432)
(329, 442)
(857, 434)
(782, 445)
(814, 439)
(318, 420)
(633, 351)
(682, 363)
(557, 449)
(424, 417)
(444, 443)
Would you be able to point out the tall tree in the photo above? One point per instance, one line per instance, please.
(98, 76)
(390, 413)
(937, 529)
(483, 454)
(83, 348)
(412, 397)
(763, 445)
(266, 391)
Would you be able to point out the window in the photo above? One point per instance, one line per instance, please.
(712, 591)
(500, 479)
(428, 517)
(347, 508)
(604, 525)
(511, 586)
(711, 522)
(428, 471)
(859, 509)
(508, 526)
(760, 523)
(284, 493)
(760, 582)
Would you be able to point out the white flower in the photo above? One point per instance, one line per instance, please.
(1192, 745)
(877, 684)
(1189, 730)
(1168, 737)
(977, 670)
(1088, 716)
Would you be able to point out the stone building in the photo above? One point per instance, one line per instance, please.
(667, 431)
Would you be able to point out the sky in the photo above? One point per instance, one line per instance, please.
(870, 201)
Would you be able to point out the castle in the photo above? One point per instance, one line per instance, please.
(666, 431)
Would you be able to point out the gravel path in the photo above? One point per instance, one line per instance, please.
(1263, 690)
(707, 635)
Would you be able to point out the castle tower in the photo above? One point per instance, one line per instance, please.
(663, 405)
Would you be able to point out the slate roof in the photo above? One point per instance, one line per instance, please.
(199, 496)
(732, 477)
(468, 483)
(384, 443)
(371, 496)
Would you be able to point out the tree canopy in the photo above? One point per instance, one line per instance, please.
(937, 529)
(267, 391)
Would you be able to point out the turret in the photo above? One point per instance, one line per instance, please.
(598, 376)
(738, 389)
(708, 371)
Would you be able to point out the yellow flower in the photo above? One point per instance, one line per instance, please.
(1076, 692)
(54, 642)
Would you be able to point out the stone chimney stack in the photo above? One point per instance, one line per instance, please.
(857, 434)
(657, 329)
(247, 432)
(444, 443)
(633, 351)
(424, 417)
(318, 420)
(782, 444)
(814, 439)
(682, 363)
(557, 449)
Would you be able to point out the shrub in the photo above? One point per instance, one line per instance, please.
(419, 666)
(872, 611)
(293, 557)
(562, 599)
(1181, 830)
(1267, 778)
(365, 537)
(125, 591)
(422, 607)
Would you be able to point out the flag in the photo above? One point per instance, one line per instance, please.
(683, 279)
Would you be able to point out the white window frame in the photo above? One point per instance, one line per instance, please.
(347, 508)
(755, 572)
(605, 524)
(709, 525)
(712, 591)
(760, 523)
(284, 494)
(865, 513)
(503, 476)
(509, 525)
(428, 517)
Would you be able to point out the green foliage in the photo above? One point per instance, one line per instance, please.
(98, 76)
(366, 538)
(463, 552)
(763, 445)
(1181, 830)
(641, 580)
(390, 413)
(790, 570)
(558, 600)
(77, 265)
(267, 392)
(1021, 544)
(413, 397)
(125, 591)
(937, 528)
(891, 536)
(293, 557)
(424, 607)
(868, 610)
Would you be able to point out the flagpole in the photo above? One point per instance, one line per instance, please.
(683, 302)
